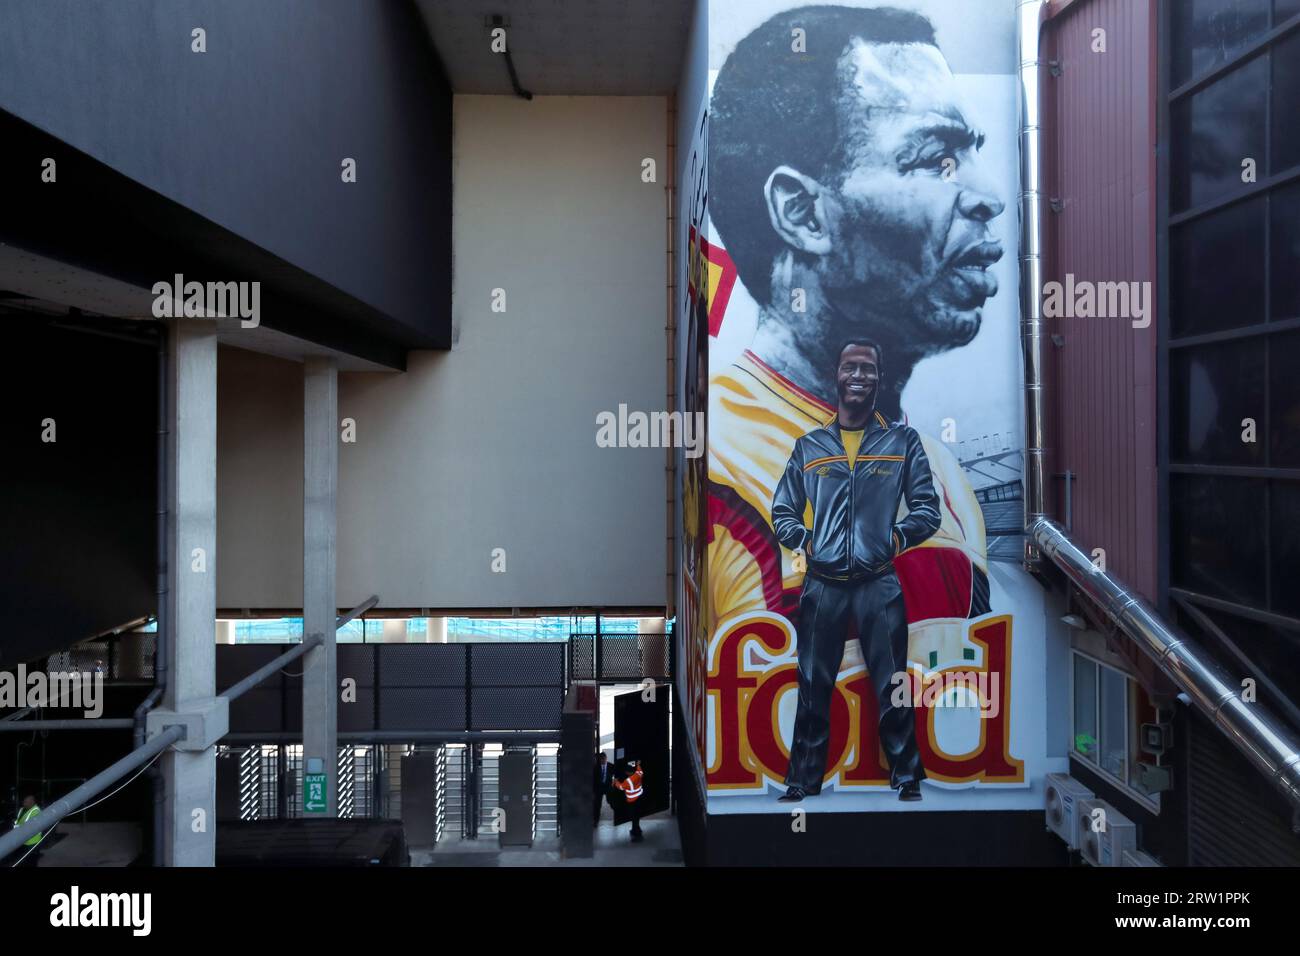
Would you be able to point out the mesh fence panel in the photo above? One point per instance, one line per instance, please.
(582, 657)
(422, 665)
(432, 687)
(621, 657)
(516, 708)
(517, 664)
(422, 708)
(356, 675)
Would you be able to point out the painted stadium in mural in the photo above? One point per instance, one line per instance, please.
(862, 630)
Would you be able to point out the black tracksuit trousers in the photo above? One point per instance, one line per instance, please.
(826, 606)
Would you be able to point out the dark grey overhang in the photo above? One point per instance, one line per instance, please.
(215, 140)
(562, 47)
(98, 220)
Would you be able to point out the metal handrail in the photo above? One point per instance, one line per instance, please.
(56, 811)
(310, 641)
(51, 815)
(69, 723)
(356, 612)
(266, 670)
(405, 736)
(252, 680)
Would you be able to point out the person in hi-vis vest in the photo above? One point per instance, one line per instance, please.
(28, 853)
(632, 787)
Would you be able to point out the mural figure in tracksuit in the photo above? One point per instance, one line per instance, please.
(852, 474)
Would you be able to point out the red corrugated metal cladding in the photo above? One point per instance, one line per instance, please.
(1099, 138)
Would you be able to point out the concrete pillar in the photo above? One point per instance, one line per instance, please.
(319, 605)
(394, 631)
(189, 836)
(436, 630)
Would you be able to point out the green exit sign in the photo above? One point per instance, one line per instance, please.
(313, 793)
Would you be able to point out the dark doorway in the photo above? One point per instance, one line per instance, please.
(641, 733)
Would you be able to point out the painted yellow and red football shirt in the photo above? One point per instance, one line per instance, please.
(755, 418)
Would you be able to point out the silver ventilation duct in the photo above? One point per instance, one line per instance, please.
(1269, 744)
(1030, 15)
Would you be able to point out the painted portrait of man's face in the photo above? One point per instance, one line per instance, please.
(908, 206)
(857, 168)
(857, 376)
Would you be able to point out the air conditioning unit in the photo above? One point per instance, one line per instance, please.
(1104, 836)
(1061, 802)
(1138, 858)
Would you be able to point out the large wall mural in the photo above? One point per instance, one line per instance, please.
(862, 619)
(693, 614)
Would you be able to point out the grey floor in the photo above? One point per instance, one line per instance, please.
(612, 848)
(92, 844)
(117, 844)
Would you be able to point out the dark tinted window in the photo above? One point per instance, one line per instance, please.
(1285, 252)
(1208, 32)
(1274, 651)
(1284, 550)
(1216, 536)
(1284, 405)
(1286, 99)
(1216, 270)
(1212, 388)
(1231, 266)
(1214, 131)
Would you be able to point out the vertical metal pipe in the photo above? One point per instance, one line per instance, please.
(1029, 19)
(161, 498)
(670, 196)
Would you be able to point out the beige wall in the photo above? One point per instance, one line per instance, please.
(259, 481)
(490, 445)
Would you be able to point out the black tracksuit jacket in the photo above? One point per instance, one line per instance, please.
(855, 532)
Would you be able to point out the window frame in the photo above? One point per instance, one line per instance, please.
(1265, 187)
(1148, 801)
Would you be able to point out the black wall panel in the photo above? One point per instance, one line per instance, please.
(936, 838)
(430, 687)
(77, 515)
(688, 797)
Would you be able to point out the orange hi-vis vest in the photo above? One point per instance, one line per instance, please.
(631, 787)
